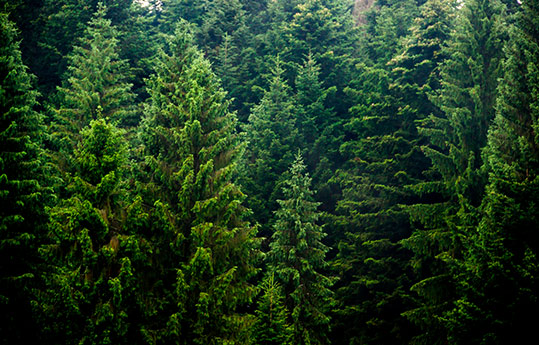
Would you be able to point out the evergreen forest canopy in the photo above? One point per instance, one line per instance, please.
(270, 172)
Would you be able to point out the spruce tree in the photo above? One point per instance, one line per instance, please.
(383, 157)
(88, 273)
(59, 24)
(22, 193)
(95, 85)
(456, 134)
(88, 276)
(203, 257)
(503, 256)
(297, 258)
(323, 28)
(383, 25)
(271, 138)
(271, 327)
(320, 130)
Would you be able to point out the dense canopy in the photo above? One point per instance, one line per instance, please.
(269, 172)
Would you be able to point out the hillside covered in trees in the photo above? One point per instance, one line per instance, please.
(269, 172)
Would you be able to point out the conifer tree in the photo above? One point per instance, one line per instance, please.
(297, 258)
(22, 194)
(323, 28)
(384, 25)
(383, 157)
(456, 134)
(95, 85)
(227, 64)
(320, 129)
(272, 136)
(203, 259)
(59, 24)
(88, 277)
(222, 18)
(503, 257)
(271, 327)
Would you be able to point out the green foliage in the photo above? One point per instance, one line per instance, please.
(191, 148)
(502, 258)
(456, 134)
(420, 138)
(319, 129)
(271, 327)
(297, 258)
(95, 85)
(88, 278)
(381, 158)
(22, 195)
(59, 24)
(386, 24)
(271, 138)
(324, 29)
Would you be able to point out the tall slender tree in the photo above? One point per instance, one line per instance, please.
(319, 128)
(503, 259)
(272, 137)
(88, 277)
(271, 327)
(297, 258)
(204, 256)
(384, 157)
(22, 195)
(456, 134)
(96, 84)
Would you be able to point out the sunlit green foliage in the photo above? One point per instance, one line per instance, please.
(205, 259)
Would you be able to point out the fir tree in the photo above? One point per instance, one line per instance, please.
(383, 26)
(383, 157)
(297, 258)
(203, 258)
(319, 128)
(59, 24)
(323, 28)
(22, 195)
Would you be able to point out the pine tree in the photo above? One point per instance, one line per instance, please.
(502, 260)
(22, 193)
(297, 258)
(95, 85)
(271, 327)
(203, 258)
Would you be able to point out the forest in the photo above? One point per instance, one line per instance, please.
(269, 172)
